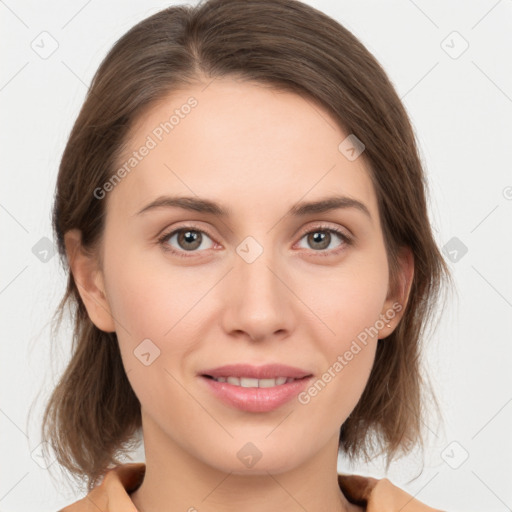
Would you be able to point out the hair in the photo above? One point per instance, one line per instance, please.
(93, 415)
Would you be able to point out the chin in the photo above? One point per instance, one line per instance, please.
(257, 458)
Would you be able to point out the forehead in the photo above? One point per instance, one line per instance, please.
(244, 142)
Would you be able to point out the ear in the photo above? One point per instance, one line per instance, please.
(88, 278)
(398, 293)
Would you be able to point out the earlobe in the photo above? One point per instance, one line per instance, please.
(397, 299)
(88, 278)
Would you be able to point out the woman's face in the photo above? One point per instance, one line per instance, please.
(265, 283)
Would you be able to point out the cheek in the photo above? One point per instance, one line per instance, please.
(155, 329)
(149, 302)
(348, 356)
(349, 303)
(348, 299)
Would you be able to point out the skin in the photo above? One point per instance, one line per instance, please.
(257, 151)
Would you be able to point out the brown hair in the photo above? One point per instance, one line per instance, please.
(93, 415)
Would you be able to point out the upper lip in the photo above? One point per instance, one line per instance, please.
(268, 371)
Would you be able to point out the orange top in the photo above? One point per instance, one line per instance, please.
(375, 495)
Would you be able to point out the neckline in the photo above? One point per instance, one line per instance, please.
(356, 488)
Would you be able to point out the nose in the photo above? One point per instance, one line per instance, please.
(258, 303)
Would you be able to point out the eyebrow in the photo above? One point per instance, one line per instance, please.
(299, 209)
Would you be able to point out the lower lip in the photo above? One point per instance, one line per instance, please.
(256, 399)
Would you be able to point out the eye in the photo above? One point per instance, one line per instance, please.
(187, 238)
(320, 238)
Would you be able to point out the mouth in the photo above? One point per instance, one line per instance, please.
(255, 389)
(247, 372)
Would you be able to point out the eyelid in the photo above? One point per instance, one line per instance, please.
(167, 232)
(323, 226)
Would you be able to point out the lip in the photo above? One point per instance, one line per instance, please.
(267, 371)
(255, 399)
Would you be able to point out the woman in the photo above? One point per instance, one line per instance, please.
(265, 136)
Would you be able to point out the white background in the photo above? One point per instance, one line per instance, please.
(461, 109)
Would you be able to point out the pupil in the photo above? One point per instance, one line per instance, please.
(321, 238)
(189, 237)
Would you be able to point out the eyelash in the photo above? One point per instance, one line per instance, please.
(162, 240)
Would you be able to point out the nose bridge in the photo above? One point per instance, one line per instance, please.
(256, 266)
(259, 300)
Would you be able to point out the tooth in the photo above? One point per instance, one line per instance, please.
(248, 383)
(267, 383)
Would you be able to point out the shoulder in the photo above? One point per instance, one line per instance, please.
(112, 494)
(379, 495)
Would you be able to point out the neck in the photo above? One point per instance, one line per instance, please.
(176, 479)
